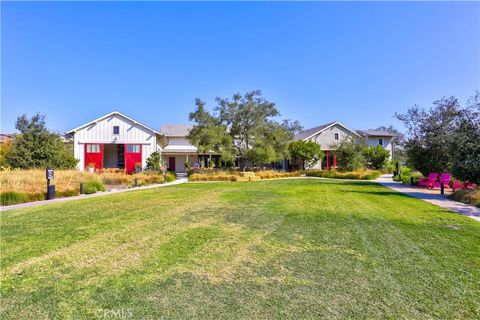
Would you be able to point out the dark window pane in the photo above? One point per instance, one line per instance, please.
(116, 129)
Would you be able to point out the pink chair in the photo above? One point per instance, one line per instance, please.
(470, 186)
(445, 178)
(429, 183)
(457, 185)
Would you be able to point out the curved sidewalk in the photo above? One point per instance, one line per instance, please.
(436, 199)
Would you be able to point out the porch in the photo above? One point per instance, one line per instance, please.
(176, 161)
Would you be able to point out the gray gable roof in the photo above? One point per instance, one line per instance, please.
(307, 133)
(175, 130)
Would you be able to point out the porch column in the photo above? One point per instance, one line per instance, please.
(187, 158)
(334, 159)
(328, 163)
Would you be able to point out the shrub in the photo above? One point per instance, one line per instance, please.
(115, 178)
(154, 161)
(269, 174)
(170, 176)
(93, 186)
(349, 156)
(376, 157)
(231, 175)
(355, 175)
(467, 196)
(11, 197)
(406, 174)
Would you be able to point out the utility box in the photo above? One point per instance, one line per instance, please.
(50, 192)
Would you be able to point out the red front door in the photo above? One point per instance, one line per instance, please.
(171, 163)
(133, 156)
(94, 155)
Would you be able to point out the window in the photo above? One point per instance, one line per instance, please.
(380, 141)
(133, 148)
(337, 136)
(116, 130)
(93, 148)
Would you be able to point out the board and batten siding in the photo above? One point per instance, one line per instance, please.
(102, 132)
(326, 138)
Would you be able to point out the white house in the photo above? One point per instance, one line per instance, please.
(379, 138)
(177, 150)
(114, 141)
(118, 141)
(330, 134)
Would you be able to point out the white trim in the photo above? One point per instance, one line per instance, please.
(327, 127)
(113, 142)
(114, 113)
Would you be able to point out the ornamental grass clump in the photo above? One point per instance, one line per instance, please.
(354, 175)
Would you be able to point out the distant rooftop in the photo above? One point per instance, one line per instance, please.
(175, 130)
(5, 137)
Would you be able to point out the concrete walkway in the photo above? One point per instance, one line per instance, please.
(433, 197)
(180, 180)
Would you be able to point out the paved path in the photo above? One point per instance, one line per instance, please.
(427, 195)
(85, 196)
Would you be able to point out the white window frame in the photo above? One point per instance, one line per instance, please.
(135, 148)
(93, 148)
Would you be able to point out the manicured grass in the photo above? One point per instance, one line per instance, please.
(300, 248)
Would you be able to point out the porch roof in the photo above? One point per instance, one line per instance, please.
(180, 149)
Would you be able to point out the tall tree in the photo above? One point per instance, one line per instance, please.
(36, 147)
(465, 146)
(244, 128)
(429, 134)
(444, 137)
(305, 152)
(349, 155)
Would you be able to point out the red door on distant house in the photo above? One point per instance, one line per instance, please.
(171, 163)
(133, 155)
(94, 155)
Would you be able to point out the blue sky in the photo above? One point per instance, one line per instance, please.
(354, 62)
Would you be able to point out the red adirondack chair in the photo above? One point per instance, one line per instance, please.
(430, 182)
(445, 178)
(470, 186)
(457, 185)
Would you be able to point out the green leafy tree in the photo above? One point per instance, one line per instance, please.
(433, 135)
(305, 152)
(243, 128)
(376, 157)
(36, 147)
(465, 146)
(349, 155)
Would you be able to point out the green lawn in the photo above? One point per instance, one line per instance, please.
(299, 248)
